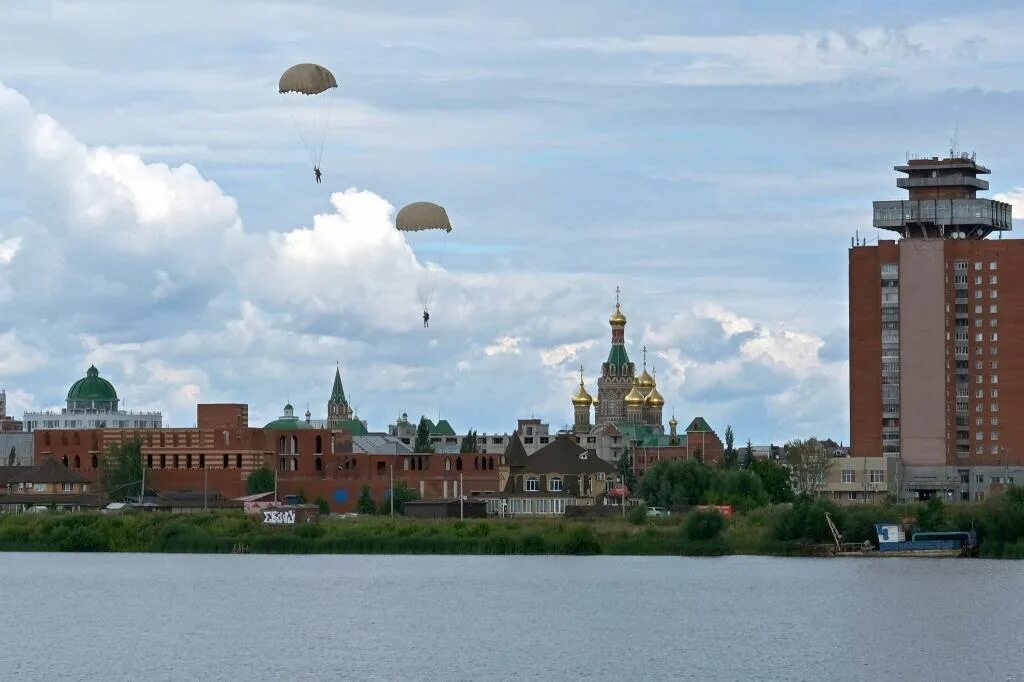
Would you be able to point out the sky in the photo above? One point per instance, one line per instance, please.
(159, 218)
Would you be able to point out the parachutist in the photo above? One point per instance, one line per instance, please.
(316, 172)
(426, 319)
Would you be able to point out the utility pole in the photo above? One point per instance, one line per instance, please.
(461, 496)
(142, 493)
(391, 496)
(205, 487)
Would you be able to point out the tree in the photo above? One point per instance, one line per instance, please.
(403, 493)
(741, 489)
(121, 475)
(325, 508)
(260, 480)
(698, 455)
(776, 479)
(469, 443)
(422, 443)
(748, 456)
(809, 463)
(626, 473)
(675, 483)
(365, 504)
(731, 457)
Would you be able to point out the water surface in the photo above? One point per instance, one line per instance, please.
(203, 617)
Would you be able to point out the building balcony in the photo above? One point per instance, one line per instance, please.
(987, 214)
(953, 180)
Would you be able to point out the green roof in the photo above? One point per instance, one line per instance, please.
(698, 424)
(641, 434)
(353, 426)
(287, 424)
(337, 391)
(442, 428)
(618, 357)
(92, 387)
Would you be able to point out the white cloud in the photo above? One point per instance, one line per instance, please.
(562, 353)
(506, 344)
(19, 357)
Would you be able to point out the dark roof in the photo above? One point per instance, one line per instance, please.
(49, 471)
(515, 453)
(564, 456)
(7, 473)
(698, 424)
(79, 499)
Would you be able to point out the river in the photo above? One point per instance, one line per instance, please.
(199, 617)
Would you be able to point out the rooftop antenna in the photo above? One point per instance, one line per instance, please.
(954, 142)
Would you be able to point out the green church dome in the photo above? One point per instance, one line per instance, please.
(92, 390)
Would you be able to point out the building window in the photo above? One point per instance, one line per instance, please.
(993, 309)
(68, 487)
(980, 435)
(532, 485)
(977, 265)
(238, 461)
(877, 476)
(992, 265)
(960, 265)
(202, 461)
(980, 393)
(978, 293)
(849, 476)
(994, 379)
(979, 496)
(993, 280)
(176, 461)
(163, 461)
(992, 293)
(994, 435)
(979, 379)
(555, 485)
(458, 463)
(188, 461)
(980, 478)
(977, 309)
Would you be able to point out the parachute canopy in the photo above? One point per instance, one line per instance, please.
(422, 215)
(306, 79)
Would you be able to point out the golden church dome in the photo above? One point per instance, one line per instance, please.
(634, 398)
(645, 381)
(582, 398)
(617, 319)
(654, 398)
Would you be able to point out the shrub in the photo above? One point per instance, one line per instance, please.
(638, 515)
(704, 525)
(581, 540)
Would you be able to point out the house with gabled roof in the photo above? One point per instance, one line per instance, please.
(556, 476)
(49, 484)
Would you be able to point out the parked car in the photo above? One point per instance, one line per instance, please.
(657, 511)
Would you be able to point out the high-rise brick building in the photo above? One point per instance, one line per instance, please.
(936, 333)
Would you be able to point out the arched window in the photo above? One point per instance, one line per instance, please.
(188, 461)
(555, 484)
(95, 462)
(295, 463)
(238, 461)
(406, 462)
(163, 461)
(64, 460)
(295, 445)
(176, 461)
(202, 461)
(318, 463)
(458, 463)
(490, 463)
(227, 439)
(419, 463)
(149, 461)
(227, 462)
(447, 463)
(281, 445)
(319, 445)
(78, 462)
(611, 370)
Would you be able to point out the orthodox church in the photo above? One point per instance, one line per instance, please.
(622, 396)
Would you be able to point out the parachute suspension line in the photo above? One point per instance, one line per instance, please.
(324, 111)
(429, 286)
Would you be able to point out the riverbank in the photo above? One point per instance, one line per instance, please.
(782, 530)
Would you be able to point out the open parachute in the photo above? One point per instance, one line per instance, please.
(423, 216)
(309, 90)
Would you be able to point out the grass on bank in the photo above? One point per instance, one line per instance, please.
(773, 530)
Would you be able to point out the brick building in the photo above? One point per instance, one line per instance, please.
(936, 329)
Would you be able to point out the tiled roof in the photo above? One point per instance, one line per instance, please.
(49, 471)
(698, 424)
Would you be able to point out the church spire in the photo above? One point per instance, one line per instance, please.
(338, 406)
(337, 392)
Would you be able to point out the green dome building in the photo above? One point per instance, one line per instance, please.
(92, 393)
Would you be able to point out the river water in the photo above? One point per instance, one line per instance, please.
(197, 617)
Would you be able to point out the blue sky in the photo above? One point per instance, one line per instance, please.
(713, 160)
